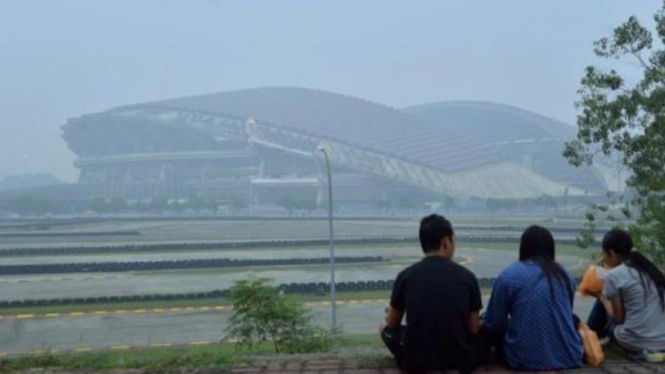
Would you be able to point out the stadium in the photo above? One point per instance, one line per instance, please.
(261, 144)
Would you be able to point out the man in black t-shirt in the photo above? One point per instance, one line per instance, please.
(441, 300)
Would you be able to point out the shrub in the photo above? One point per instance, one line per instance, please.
(261, 313)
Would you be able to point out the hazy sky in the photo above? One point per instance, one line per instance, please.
(60, 59)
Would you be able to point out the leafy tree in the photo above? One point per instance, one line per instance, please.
(384, 203)
(236, 205)
(626, 119)
(140, 206)
(289, 203)
(98, 205)
(407, 204)
(449, 203)
(22, 204)
(117, 204)
(261, 313)
(27, 204)
(198, 204)
(177, 206)
(159, 205)
(500, 204)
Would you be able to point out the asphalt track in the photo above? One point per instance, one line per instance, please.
(123, 329)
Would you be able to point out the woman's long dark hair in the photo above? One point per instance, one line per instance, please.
(537, 245)
(620, 242)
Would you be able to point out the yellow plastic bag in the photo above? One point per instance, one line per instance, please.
(593, 280)
(593, 351)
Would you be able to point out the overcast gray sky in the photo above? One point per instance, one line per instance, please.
(60, 58)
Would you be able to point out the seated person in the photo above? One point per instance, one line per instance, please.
(633, 298)
(441, 300)
(531, 309)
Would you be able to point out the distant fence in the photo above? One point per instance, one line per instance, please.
(112, 267)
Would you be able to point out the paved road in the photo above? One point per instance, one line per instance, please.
(24, 333)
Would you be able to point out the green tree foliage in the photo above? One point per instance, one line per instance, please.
(384, 203)
(449, 203)
(407, 204)
(293, 204)
(236, 205)
(27, 204)
(98, 205)
(159, 205)
(261, 313)
(117, 204)
(500, 204)
(626, 119)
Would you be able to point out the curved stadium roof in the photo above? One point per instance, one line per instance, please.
(457, 148)
(493, 122)
(356, 122)
(514, 134)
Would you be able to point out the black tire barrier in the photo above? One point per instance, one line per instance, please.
(180, 246)
(47, 234)
(313, 288)
(112, 267)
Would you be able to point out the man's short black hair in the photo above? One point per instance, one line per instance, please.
(433, 229)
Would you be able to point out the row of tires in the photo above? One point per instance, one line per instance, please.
(161, 247)
(110, 267)
(289, 288)
(48, 234)
(176, 246)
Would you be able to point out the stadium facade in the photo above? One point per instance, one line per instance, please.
(261, 145)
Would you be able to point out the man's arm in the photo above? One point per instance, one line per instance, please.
(395, 311)
(474, 322)
(394, 318)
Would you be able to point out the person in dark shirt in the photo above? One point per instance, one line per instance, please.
(441, 300)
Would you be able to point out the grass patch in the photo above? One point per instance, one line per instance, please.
(377, 361)
(169, 359)
(366, 341)
(153, 360)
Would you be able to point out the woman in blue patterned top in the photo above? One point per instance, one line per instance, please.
(531, 307)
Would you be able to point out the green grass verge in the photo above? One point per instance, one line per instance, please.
(156, 360)
(210, 358)
(152, 360)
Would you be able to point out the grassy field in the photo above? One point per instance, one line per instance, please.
(169, 359)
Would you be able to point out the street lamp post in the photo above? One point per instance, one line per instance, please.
(333, 307)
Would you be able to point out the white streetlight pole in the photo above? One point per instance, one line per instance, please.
(333, 307)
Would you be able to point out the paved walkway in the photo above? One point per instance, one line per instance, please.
(335, 366)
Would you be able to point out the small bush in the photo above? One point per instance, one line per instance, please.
(261, 313)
